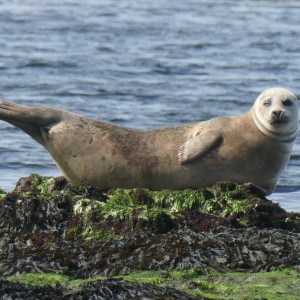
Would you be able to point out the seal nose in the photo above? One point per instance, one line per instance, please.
(277, 113)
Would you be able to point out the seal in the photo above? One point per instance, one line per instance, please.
(253, 147)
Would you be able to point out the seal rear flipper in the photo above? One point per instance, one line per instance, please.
(31, 120)
(198, 146)
(35, 115)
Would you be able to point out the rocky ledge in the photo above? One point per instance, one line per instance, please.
(59, 241)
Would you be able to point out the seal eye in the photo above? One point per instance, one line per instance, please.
(287, 102)
(267, 103)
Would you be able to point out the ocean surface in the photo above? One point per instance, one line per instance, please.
(144, 64)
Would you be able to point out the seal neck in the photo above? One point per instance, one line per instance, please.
(286, 137)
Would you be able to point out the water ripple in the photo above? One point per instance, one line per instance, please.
(142, 64)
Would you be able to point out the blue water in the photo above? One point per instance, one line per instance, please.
(144, 64)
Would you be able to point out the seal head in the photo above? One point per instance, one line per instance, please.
(275, 113)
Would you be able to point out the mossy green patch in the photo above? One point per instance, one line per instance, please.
(40, 278)
(101, 213)
(42, 184)
(151, 277)
(280, 284)
(2, 194)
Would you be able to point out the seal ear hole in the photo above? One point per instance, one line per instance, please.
(287, 102)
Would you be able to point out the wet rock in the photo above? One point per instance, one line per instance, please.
(47, 225)
(9, 290)
(113, 289)
(232, 249)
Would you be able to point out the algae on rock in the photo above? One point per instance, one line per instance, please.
(192, 284)
(82, 232)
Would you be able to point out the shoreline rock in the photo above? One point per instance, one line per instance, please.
(47, 225)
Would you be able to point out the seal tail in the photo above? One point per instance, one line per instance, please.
(31, 120)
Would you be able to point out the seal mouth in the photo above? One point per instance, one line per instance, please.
(278, 118)
(279, 121)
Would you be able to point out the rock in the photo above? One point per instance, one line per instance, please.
(117, 289)
(46, 225)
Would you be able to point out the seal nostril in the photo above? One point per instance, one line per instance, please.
(277, 113)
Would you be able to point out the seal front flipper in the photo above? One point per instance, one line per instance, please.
(198, 146)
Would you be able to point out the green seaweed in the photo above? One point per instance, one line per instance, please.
(137, 208)
(123, 203)
(280, 284)
(2, 194)
(40, 279)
